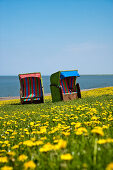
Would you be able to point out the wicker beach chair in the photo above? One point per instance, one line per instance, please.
(31, 88)
(63, 85)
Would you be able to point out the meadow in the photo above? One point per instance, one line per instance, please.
(75, 134)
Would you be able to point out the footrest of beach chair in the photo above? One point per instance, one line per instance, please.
(31, 100)
(68, 96)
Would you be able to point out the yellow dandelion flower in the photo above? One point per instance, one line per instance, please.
(29, 164)
(3, 159)
(109, 140)
(98, 130)
(22, 136)
(61, 144)
(15, 147)
(39, 142)
(110, 166)
(66, 133)
(20, 143)
(33, 139)
(66, 156)
(81, 131)
(11, 153)
(101, 141)
(47, 147)
(73, 123)
(7, 168)
(105, 126)
(28, 143)
(78, 124)
(31, 123)
(22, 157)
(6, 142)
(42, 129)
(94, 118)
(1, 151)
(43, 138)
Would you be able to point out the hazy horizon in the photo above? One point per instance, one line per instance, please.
(80, 75)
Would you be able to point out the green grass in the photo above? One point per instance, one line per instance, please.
(71, 121)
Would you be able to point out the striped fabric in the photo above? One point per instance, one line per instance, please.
(65, 86)
(68, 85)
(72, 82)
(31, 87)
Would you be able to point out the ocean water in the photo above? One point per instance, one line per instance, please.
(10, 85)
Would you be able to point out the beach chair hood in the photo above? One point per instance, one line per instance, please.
(65, 74)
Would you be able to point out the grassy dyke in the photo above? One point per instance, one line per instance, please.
(75, 134)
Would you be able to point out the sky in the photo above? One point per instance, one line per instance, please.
(51, 35)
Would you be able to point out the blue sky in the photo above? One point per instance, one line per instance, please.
(51, 35)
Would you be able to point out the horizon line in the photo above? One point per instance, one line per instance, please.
(80, 75)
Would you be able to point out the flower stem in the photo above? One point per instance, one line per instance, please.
(95, 151)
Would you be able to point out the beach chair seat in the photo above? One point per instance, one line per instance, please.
(31, 88)
(68, 85)
(68, 91)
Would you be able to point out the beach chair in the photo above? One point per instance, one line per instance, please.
(63, 85)
(31, 88)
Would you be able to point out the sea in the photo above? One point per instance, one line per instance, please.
(10, 85)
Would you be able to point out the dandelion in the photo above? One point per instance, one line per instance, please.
(101, 141)
(11, 153)
(22, 136)
(15, 147)
(39, 143)
(6, 142)
(33, 139)
(22, 157)
(43, 138)
(94, 118)
(78, 124)
(7, 168)
(47, 147)
(80, 131)
(66, 133)
(31, 123)
(98, 130)
(66, 156)
(42, 129)
(61, 144)
(73, 123)
(109, 140)
(110, 166)
(1, 151)
(28, 143)
(29, 164)
(3, 159)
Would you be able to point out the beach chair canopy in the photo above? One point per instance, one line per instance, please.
(65, 74)
(38, 75)
(31, 88)
(65, 81)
